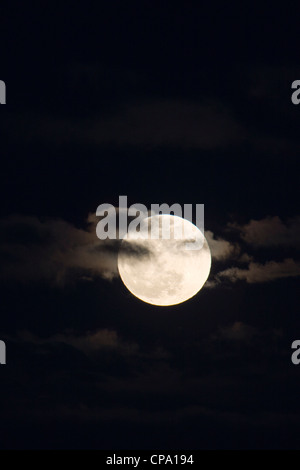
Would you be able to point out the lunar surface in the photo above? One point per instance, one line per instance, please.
(168, 269)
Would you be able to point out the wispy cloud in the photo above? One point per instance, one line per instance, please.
(270, 231)
(258, 273)
(171, 123)
(221, 249)
(238, 331)
(89, 343)
(55, 250)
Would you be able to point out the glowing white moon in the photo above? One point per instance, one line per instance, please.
(164, 271)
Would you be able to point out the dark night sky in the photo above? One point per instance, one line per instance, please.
(163, 104)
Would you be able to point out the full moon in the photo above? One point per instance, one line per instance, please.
(166, 270)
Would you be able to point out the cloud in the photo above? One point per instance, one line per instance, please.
(259, 273)
(55, 250)
(89, 343)
(221, 249)
(172, 123)
(270, 231)
(238, 331)
(113, 354)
